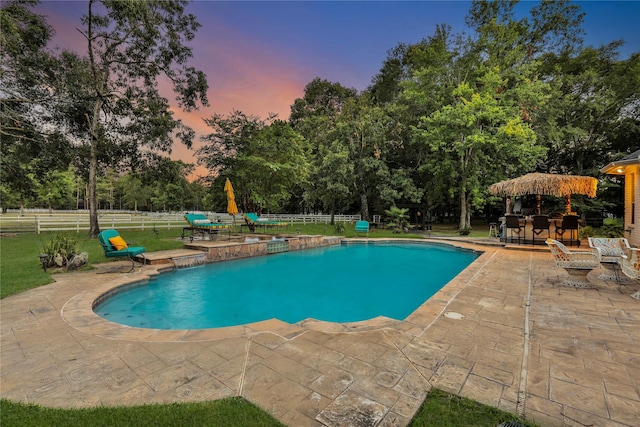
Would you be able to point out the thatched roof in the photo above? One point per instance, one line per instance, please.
(547, 184)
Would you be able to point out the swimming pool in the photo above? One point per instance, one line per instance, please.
(342, 283)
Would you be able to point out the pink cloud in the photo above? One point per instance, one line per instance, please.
(244, 73)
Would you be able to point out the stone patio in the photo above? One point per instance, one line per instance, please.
(503, 332)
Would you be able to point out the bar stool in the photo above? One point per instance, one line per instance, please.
(570, 223)
(493, 229)
(513, 225)
(540, 223)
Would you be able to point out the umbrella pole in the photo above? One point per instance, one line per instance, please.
(568, 206)
(537, 204)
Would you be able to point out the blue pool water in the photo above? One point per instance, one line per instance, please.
(343, 283)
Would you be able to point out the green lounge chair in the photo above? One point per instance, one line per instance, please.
(200, 224)
(252, 221)
(115, 247)
(362, 227)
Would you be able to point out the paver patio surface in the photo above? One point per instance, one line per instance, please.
(504, 332)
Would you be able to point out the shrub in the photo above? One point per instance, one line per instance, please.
(59, 250)
(612, 227)
(397, 219)
(339, 227)
(586, 231)
(465, 231)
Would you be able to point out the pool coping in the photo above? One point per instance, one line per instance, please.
(78, 311)
(509, 336)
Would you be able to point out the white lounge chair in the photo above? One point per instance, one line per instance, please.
(610, 251)
(577, 263)
(631, 267)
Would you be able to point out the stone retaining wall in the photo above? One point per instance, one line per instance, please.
(250, 249)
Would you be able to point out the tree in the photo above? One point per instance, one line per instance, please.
(415, 81)
(229, 137)
(195, 197)
(551, 27)
(272, 165)
(491, 97)
(470, 135)
(369, 135)
(330, 178)
(315, 116)
(55, 190)
(23, 69)
(134, 194)
(112, 97)
(479, 132)
(265, 159)
(29, 150)
(597, 98)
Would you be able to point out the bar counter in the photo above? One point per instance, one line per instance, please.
(527, 237)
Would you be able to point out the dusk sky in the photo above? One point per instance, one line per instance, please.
(259, 55)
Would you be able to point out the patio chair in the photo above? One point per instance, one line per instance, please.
(609, 251)
(252, 221)
(115, 246)
(199, 224)
(362, 227)
(578, 264)
(631, 266)
(631, 263)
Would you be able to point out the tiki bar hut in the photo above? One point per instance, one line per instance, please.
(547, 184)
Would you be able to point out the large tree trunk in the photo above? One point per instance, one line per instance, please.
(364, 206)
(94, 226)
(361, 186)
(463, 210)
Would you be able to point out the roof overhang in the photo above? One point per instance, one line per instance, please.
(619, 167)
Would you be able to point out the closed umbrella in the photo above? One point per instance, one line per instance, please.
(232, 208)
(547, 184)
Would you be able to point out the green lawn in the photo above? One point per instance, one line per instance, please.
(20, 270)
(439, 409)
(231, 412)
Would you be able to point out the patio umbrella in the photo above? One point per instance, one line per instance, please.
(232, 208)
(547, 184)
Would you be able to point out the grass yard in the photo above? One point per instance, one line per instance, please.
(20, 270)
(439, 409)
(231, 412)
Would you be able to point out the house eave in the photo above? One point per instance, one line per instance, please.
(618, 168)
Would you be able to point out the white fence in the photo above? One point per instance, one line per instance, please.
(79, 220)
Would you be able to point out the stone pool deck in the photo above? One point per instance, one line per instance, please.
(503, 332)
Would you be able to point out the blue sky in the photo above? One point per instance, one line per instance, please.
(277, 47)
(259, 55)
